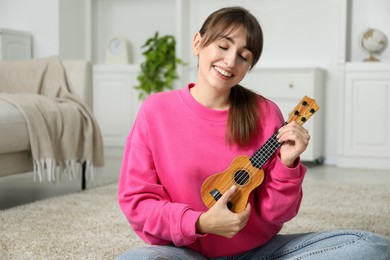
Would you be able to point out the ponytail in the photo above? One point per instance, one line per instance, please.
(244, 116)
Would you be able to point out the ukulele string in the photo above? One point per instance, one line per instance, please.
(272, 143)
(269, 145)
(247, 168)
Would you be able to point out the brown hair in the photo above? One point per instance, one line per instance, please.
(244, 118)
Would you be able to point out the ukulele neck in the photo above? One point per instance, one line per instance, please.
(301, 113)
(265, 152)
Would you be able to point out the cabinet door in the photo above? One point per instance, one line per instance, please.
(115, 103)
(367, 114)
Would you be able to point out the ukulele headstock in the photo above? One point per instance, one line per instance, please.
(303, 111)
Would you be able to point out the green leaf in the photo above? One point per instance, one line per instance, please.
(158, 71)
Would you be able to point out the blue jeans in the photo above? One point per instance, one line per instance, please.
(340, 244)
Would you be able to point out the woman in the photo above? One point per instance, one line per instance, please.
(183, 136)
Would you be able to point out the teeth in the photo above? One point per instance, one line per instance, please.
(223, 72)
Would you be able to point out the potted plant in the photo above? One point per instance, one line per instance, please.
(158, 71)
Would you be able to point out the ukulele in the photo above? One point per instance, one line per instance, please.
(246, 172)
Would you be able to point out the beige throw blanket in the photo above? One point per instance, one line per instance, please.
(63, 132)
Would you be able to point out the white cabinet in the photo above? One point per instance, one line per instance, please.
(286, 87)
(365, 111)
(118, 103)
(15, 45)
(118, 100)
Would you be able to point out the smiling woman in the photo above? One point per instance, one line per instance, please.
(229, 44)
(161, 177)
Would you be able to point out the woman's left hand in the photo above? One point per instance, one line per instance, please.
(295, 139)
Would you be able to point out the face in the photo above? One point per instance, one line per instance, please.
(224, 62)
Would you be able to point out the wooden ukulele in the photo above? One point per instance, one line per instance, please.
(246, 172)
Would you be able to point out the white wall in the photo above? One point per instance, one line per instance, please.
(57, 26)
(295, 32)
(39, 17)
(72, 28)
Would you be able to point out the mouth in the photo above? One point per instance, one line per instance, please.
(223, 72)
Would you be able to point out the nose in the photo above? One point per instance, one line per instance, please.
(230, 58)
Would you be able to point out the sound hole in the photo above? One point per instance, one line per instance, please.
(241, 177)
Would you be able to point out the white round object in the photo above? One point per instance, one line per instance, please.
(373, 41)
(117, 51)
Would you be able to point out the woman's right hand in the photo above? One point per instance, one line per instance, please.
(219, 220)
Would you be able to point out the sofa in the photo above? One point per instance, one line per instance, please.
(15, 145)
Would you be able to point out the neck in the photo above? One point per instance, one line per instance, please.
(210, 98)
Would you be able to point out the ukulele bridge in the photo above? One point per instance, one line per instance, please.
(216, 194)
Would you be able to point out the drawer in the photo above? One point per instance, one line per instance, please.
(281, 83)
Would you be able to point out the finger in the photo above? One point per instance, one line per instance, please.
(295, 139)
(244, 215)
(293, 133)
(247, 211)
(227, 195)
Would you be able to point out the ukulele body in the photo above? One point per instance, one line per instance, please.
(240, 173)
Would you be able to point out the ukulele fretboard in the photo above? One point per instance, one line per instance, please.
(265, 152)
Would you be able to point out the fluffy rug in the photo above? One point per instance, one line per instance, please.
(90, 225)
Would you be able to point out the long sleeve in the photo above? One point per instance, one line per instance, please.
(145, 202)
(281, 193)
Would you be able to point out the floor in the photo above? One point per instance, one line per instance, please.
(20, 189)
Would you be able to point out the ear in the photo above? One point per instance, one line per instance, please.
(196, 43)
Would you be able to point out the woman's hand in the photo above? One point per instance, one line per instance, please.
(295, 138)
(219, 220)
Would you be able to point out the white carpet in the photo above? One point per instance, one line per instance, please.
(90, 225)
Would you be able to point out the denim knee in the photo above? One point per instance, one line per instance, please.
(346, 244)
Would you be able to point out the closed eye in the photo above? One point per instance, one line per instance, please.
(242, 58)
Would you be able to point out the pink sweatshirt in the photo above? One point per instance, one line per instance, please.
(174, 145)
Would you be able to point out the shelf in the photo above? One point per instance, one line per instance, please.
(116, 68)
(367, 66)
